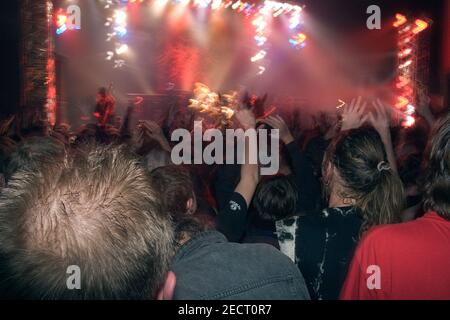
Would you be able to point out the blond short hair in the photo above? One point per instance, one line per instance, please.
(94, 208)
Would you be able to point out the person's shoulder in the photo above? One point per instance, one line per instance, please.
(259, 248)
(391, 235)
(265, 254)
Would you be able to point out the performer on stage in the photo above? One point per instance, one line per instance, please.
(105, 106)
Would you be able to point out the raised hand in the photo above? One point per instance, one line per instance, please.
(354, 115)
(278, 123)
(423, 107)
(381, 120)
(154, 131)
(151, 128)
(246, 118)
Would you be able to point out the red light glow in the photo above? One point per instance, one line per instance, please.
(420, 26)
(401, 19)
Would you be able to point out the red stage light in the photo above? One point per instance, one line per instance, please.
(408, 91)
(420, 26)
(405, 64)
(405, 53)
(409, 122)
(401, 19)
(401, 102)
(61, 20)
(401, 82)
(298, 39)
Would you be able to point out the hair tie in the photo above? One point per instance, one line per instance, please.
(383, 165)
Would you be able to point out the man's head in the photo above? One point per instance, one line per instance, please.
(177, 190)
(276, 198)
(32, 153)
(437, 178)
(94, 209)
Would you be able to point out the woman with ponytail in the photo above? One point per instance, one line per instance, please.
(363, 190)
(410, 261)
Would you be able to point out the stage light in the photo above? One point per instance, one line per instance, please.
(408, 91)
(109, 55)
(202, 3)
(405, 64)
(229, 3)
(260, 24)
(260, 40)
(298, 40)
(61, 29)
(420, 26)
(249, 8)
(260, 55)
(61, 23)
(402, 81)
(119, 63)
(236, 5)
(294, 21)
(158, 6)
(410, 110)
(405, 29)
(278, 12)
(120, 31)
(401, 102)
(122, 49)
(260, 14)
(216, 4)
(61, 20)
(120, 17)
(405, 41)
(261, 70)
(405, 53)
(409, 122)
(401, 19)
(341, 104)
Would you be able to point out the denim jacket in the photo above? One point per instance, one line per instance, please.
(208, 267)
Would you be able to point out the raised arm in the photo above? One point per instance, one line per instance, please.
(307, 184)
(249, 172)
(423, 108)
(232, 218)
(154, 131)
(381, 122)
(354, 114)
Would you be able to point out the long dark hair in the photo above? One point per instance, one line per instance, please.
(362, 168)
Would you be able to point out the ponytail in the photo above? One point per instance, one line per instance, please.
(361, 163)
(384, 203)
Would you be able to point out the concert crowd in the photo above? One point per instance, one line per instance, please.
(359, 209)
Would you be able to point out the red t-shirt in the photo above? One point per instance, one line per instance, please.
(402, 261)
